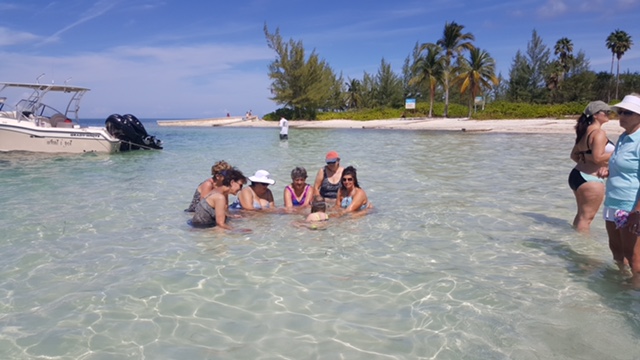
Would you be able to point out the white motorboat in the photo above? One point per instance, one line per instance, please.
(33, 126)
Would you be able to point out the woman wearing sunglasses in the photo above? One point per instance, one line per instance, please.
(327, 180)
(591, 152)
(351, 197)
(256, 196)
(209, 184)
(621, 206)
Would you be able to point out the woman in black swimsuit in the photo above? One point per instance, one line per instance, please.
(591, 152)
(328, 178)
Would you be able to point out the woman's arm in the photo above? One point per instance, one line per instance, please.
(309, 196)
(269, 198)
(318, 183)
(288, 203)
(575, 154)
(219, 205)
(339, 197)
(245, 196)
(598, 143)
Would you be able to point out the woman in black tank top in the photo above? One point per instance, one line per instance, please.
(332, 171)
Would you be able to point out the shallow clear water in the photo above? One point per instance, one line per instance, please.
(468, 255)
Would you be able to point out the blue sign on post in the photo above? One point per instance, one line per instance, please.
(410, 104)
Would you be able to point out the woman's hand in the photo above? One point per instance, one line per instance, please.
(633, 222)
(603, 172)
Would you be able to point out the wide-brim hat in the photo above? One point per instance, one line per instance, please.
(262, 176)
(630, 102)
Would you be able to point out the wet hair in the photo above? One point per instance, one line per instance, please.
(232, 174)
(318, 204)
(219, 167)
(582, 124)
(350, 170)
(298, 172)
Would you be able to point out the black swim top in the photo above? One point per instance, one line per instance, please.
(327, 189)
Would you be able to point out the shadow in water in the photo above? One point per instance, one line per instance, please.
(548, 220)
(600, 276)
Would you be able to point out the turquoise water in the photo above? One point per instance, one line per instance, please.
(468, 255)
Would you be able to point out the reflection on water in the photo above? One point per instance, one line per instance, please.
(469, 254)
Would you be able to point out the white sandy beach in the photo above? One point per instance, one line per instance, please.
(535, 126)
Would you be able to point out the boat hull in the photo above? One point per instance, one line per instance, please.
(25, 136)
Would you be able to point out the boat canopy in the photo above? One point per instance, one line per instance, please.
(47, 87)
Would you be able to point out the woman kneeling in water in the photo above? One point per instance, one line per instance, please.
(351, 197)
(212, 210)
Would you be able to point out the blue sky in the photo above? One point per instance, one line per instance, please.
(195, 59)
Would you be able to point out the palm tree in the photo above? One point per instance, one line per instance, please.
(564, 50)
(428, 71)
(618, 42)
(453, 43)
(354, 94)
(477, 73)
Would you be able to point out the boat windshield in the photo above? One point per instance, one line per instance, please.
(36, 108)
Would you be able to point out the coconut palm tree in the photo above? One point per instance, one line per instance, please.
(618, 42)
(564, 51)
(453, 43)
(477, 73)
(354, 94)
(428, 70)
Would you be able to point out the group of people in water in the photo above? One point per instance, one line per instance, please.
(610, 172)
(335, 190)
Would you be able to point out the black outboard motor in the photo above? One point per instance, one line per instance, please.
(131, 132)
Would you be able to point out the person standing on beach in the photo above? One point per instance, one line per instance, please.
(591, 152)
(622, 199)
(328, 178)
(284, 129)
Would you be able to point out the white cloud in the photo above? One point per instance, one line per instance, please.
(201, 81)
(552, 9)
(10, 37)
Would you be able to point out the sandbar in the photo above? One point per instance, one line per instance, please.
(524, 126)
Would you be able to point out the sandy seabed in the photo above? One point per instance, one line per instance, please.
(531, 126)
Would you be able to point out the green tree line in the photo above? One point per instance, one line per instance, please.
(450, 69)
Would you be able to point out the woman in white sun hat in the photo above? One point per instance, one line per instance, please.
(621, 206)
(256, 196)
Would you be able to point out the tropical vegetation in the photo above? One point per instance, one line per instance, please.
(448, 77)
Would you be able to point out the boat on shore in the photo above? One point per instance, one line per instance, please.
(34, 126)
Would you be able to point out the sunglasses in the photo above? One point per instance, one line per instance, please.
(347, 179)
(625, 112)
(606, 112)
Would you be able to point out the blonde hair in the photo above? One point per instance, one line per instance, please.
(219, 167)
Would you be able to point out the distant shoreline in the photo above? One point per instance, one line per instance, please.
(523, 126)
